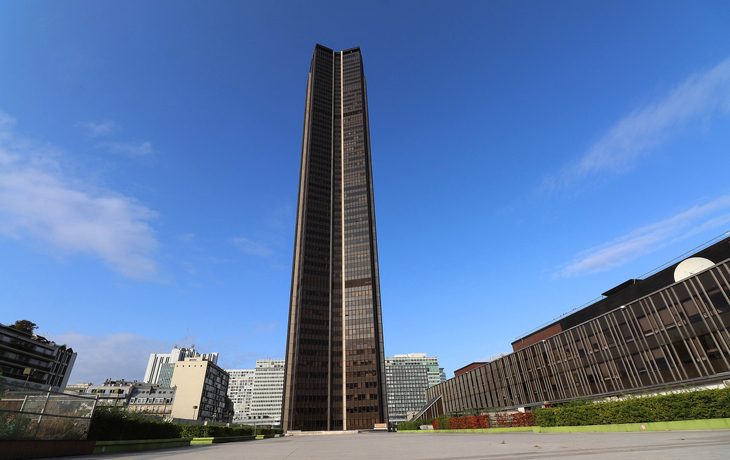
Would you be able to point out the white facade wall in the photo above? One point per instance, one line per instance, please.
(257, 393)
(240, 389)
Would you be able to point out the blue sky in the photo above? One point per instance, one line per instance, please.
(527, 156)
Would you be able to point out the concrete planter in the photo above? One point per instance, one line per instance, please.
(22, 449)
(105, 447)
(220, 439)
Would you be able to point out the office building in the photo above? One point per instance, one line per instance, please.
(201, 391)
(335, 366)
(408, 377)
(161, 366)
(268, 389)
(257, 393)
(33, 361)
(240, 390)
(667, 330)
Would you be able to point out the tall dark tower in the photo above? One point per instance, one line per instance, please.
(335, 366)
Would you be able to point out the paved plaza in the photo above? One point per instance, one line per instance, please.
(695, 445)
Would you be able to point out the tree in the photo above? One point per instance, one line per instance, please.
(23, 325)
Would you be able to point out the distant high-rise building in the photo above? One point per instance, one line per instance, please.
(240, 390)
(335, 366)
(257, 393)
(161, 366)
(408, 377)
(268, 389)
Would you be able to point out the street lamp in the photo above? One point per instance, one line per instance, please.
(29, 372)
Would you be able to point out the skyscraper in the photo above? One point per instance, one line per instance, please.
(335, 366)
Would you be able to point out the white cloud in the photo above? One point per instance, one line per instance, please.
(186, 237)
(103, 128)
(650, 238)
(699, 97)
(132, 150)
(115, 356)
(251, 247)
(41, 203)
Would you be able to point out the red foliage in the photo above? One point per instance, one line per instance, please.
(517, 419)
(466, 423)
(522, 419)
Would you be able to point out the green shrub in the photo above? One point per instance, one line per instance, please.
(116, 424)
(414, 424)
(689, 405)
(213, 431)
(441, 423)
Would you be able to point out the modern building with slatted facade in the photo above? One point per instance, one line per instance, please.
(667, 330)
(335, 365)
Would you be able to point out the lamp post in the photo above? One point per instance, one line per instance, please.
(194, 409)
(29, 371)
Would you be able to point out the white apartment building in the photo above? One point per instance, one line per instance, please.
(257, 393)
(240, 389)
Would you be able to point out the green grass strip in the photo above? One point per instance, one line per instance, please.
(706, 424)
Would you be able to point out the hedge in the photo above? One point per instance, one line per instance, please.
(116, 424)
(213, 431)
(414, 424)
(518, 419)
(689, 405)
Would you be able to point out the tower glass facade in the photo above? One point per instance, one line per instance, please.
(335, 366)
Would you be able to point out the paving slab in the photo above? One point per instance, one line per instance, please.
(694, 445)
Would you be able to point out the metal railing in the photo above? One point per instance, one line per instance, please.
(30, 414)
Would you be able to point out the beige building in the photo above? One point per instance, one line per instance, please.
(201, 391)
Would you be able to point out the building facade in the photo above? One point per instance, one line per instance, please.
(408, 377)
(669, 329)
(240, 390)
(257, 393)
(268, 389)
(201, 391)
(335, 366)
(152, 399)
(133, 396)
(34, 361)
(161, 366)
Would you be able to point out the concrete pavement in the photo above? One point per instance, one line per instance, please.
(523, 446)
